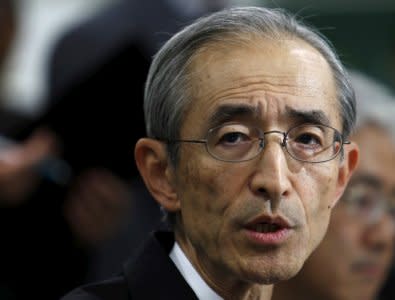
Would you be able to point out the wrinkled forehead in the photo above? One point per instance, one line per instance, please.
(287, 73)
(288, 61)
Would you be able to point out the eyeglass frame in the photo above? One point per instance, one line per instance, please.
(343, 141)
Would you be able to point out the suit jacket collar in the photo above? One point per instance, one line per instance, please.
(152, 274)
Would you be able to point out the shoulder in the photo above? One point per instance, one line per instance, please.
(112, 289)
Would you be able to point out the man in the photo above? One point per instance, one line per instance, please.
(241, 109)
(354, 258)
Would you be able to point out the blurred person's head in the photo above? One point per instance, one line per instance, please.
(7, 27)
(247, 113)
(354, 258)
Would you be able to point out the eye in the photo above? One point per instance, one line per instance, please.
(233, 138)
(308, 139)
(308, 136)
(230, 135)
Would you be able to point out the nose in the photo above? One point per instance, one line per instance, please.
(380, 235)
(271, 179)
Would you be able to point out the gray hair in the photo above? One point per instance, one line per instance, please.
(168, 82)
(375, 102)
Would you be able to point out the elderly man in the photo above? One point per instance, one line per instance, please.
(247, 113)
(357, 251)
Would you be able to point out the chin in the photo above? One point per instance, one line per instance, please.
(273, 274)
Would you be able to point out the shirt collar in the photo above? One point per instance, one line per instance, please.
(191, 276)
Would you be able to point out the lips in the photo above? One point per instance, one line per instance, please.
(266, 230)
(368, 268)
(268, 223)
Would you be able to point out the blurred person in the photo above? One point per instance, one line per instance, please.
(247, 113)
(26, 221)
(354, 259)
(95, 209)
(50, 225)
(18, 163)
(39, 23)
(96, 75)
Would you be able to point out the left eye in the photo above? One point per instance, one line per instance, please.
(308, 139)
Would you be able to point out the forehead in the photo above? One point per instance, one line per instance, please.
(270, 75)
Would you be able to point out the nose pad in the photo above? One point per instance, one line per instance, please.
(282, 141)
(261, 143)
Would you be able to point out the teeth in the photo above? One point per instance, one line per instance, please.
(266, 227)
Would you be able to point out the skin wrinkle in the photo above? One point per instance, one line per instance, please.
(253, 45)
(249, 87)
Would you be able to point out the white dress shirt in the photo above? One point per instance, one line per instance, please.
(191, 276)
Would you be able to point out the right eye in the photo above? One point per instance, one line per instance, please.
(233, 138)
(231, 135)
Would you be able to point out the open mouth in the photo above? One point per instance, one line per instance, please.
(265, 227)
(268, 230)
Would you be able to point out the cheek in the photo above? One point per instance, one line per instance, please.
(207, 190)
(321, 184)
(317, 190)
(213, 182)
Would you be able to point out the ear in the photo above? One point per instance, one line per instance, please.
(347, 168)
(157, 173)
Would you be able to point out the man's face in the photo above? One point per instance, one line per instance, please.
(357, 251)
(226, 208)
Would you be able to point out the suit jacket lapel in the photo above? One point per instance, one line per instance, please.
(152, 274)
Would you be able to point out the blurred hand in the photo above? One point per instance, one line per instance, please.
(97, 206)
(18, 177)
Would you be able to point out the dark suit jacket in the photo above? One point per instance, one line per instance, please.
(149, 275)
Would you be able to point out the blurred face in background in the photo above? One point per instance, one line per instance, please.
(354, 258)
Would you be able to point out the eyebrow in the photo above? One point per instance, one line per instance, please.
(307, 116)
(227, 112)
